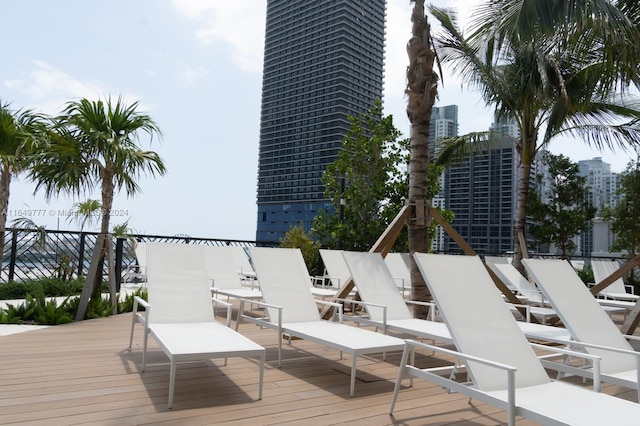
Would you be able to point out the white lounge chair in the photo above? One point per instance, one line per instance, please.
(509, 274)
(387, 309)
(224, 276)
(135, 275)
(179, 314)
(399, 265)
(241, 262)
(616, 290)
(291, 308)
(588, 324)
(502, 365)
(385, 306)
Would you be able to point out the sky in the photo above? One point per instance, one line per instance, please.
(194, 66)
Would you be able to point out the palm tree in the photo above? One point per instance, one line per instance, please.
(548, 65)
(95, 144)
(86, 212)
(17, 130)
(422, 90)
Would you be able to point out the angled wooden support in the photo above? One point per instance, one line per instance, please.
(468, 250)
(633, 318)
(382, 245)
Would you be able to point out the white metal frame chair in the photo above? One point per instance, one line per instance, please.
(223, 273)
(502, 365)
(291, 309)
(399, 265)
(179, 313)
(384, 304)
(617, 289)
(581, 314)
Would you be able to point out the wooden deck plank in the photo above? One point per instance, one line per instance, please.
(83, 373)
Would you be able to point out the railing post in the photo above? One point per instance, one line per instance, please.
(118, 262)
(12, 257)
(81, 254)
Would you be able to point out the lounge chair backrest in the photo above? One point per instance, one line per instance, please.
(604, 268)
(336, 267)
(479, 321)
(178, 287)
(376, 285)
(221, 270)
(285, 282)
(511, 277)
(399, 265)
(140, 250)
(240, 259)
(580, 312)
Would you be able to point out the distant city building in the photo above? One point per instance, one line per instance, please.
(443, 125)
(508, 126)
(481, 192)
(323, 62)
(603, 185)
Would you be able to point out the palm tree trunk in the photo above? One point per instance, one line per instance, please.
(421, 92)
(520, 227)
(107, 203)
(5, 182)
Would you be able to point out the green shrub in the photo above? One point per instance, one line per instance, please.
(51, 314)
(586, 274)
(127, 304)
(98, 308)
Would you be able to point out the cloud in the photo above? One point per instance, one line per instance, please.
(239, 24)
(50, 88)
(191, 75)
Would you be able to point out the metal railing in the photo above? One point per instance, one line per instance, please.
(32, 254)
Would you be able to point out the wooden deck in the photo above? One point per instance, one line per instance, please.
(83, 373)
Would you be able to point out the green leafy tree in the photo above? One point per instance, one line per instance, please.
(95, 144)
(18, 130)
(562, 211)
(296, 237)
(625, 215)
(554, 67)
(367, 183)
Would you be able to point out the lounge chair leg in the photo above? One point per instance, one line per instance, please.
(172, 381)
(133, 323)
(401, 372)
(144, 349)
(353, 374)
(261, 375)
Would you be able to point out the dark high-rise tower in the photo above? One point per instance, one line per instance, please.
(323, 62)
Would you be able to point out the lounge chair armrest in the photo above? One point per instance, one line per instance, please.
(260, 321)
(336, 305)
(137, 300)
(367, 304)
(605, 348)
(227, 305)
(595, 361)
(460, 355)
(432, 312)
(361, 302)
(435, 375)
(142, 317)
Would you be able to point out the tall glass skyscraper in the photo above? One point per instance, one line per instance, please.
(323, 62)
